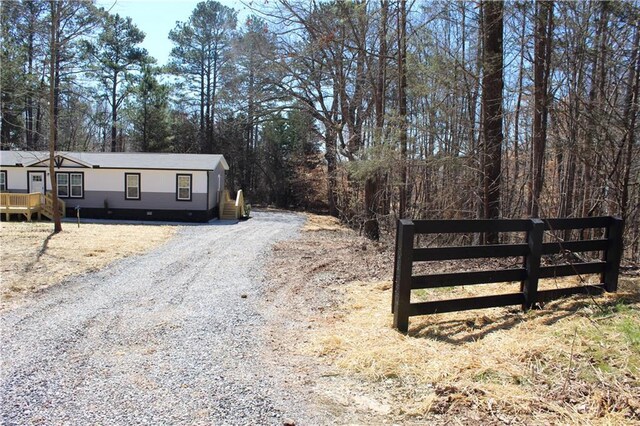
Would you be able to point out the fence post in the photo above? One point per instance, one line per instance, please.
(395, 267)
(613, 255)
(529, 286)
(404, 263)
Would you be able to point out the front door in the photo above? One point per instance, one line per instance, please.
(36, 182)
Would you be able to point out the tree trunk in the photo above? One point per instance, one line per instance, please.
(402, 104)
(207, 108)
(57, 225)
(203, 133)
(544, 23)
(214, 90)
(492, 83)
(516, 119)
(248, 166)
(29, 101)
(631, 112)
(145, 116)
(39, 113)
(372, 183)
(330, 156)
(114, 113)
(595, 101)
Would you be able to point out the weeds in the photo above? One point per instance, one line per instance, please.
(553, 363)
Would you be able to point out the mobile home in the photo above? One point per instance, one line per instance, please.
(130, 185)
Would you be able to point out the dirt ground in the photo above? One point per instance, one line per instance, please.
(32, 258)
(576, 361)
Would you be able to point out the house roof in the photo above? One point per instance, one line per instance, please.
(118, 160)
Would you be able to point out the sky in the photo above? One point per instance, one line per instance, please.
(157, 17)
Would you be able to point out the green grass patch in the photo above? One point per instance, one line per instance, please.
(613, 342)
(630, 329)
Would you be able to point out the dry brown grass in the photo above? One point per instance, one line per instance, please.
(576, 362)
(321, 223)
(32, 258)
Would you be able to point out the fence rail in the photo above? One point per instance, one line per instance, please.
(531, 251)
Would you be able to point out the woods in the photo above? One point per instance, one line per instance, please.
(369, 111)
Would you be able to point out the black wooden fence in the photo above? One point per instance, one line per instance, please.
(531, 271)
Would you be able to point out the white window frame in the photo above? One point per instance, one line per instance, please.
(71, 185)
(189, 187)
(66, 175)
(126, 186)
(68, 186)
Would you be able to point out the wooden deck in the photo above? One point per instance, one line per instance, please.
(28, 205)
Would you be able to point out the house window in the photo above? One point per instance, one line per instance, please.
(132, 186)
(3, 180)
(70, 185)
(76, 185)
(62, 179)
(183, 187)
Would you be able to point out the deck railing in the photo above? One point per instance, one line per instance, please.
(240, 204)
(27, 204)
(48, 205)
(10, 199)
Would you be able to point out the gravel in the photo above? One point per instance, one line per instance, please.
(162, 338)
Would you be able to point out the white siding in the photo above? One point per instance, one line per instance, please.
(150, 180)
(17, 179)
(113, 179)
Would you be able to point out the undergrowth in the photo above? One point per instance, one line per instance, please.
(575, 361)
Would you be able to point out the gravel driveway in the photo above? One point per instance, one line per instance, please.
(162, 338)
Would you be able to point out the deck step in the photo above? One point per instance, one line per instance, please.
(228, 209)
(228, 212)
